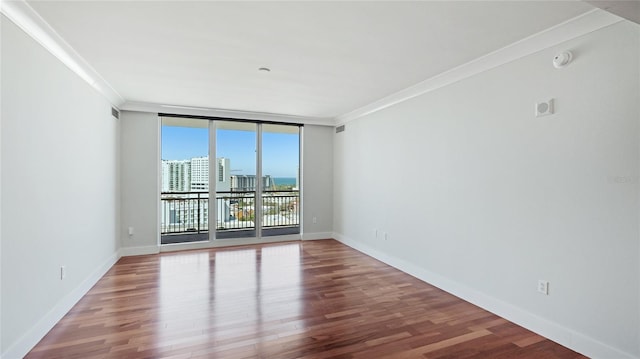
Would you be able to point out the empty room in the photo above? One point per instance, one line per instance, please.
(320, 179)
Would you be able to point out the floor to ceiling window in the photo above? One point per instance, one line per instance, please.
(236, 184)
(280, 168)
(185, 181)
(253, 188)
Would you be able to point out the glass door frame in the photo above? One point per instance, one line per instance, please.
(258, 201)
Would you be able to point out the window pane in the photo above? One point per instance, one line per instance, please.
(185, 180)
(236, 179)
(280, 167)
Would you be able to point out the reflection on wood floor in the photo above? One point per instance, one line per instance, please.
(316, 299)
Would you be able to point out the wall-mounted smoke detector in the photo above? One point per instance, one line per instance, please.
(562, 59)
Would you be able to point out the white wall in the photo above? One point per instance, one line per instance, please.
(59, 189)
(140, 182)
(482, 198)
(317, 182)
(1, 347)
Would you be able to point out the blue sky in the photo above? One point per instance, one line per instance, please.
(280, 151)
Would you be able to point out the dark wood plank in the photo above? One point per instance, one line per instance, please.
(316, 299)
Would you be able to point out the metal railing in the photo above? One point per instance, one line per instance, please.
(185, 212)
(280, 209)
(236, 210)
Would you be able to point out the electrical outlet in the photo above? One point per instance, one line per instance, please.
(63, 272)
(315, 220)
(543, 287)
(130, 231)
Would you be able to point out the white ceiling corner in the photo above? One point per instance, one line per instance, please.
(23, 15)
(575, 27)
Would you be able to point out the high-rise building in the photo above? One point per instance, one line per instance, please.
(199, 174)
(248, 183)
(223, 174)
(176, 175)
(193, 175)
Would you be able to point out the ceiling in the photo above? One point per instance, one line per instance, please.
(326, 58)
(628, 9)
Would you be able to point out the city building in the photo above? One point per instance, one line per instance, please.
(223, 175)
(176, 176)
(248, 183)
(199, 170)
(193, 175)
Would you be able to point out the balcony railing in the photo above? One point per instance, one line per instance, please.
(185, 212)
(236, 210)
(280, 209)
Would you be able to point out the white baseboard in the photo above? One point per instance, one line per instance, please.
(23, 345)
(316, 235)
(546, 328)
(138, 251)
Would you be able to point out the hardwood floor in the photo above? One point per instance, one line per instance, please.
(317, 299)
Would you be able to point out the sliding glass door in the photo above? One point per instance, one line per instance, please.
(241, 177)
(185, 181)
(280, 168)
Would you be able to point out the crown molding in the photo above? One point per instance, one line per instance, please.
(23, 15)
(19, 12)
(581, 25)
(216, 112)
